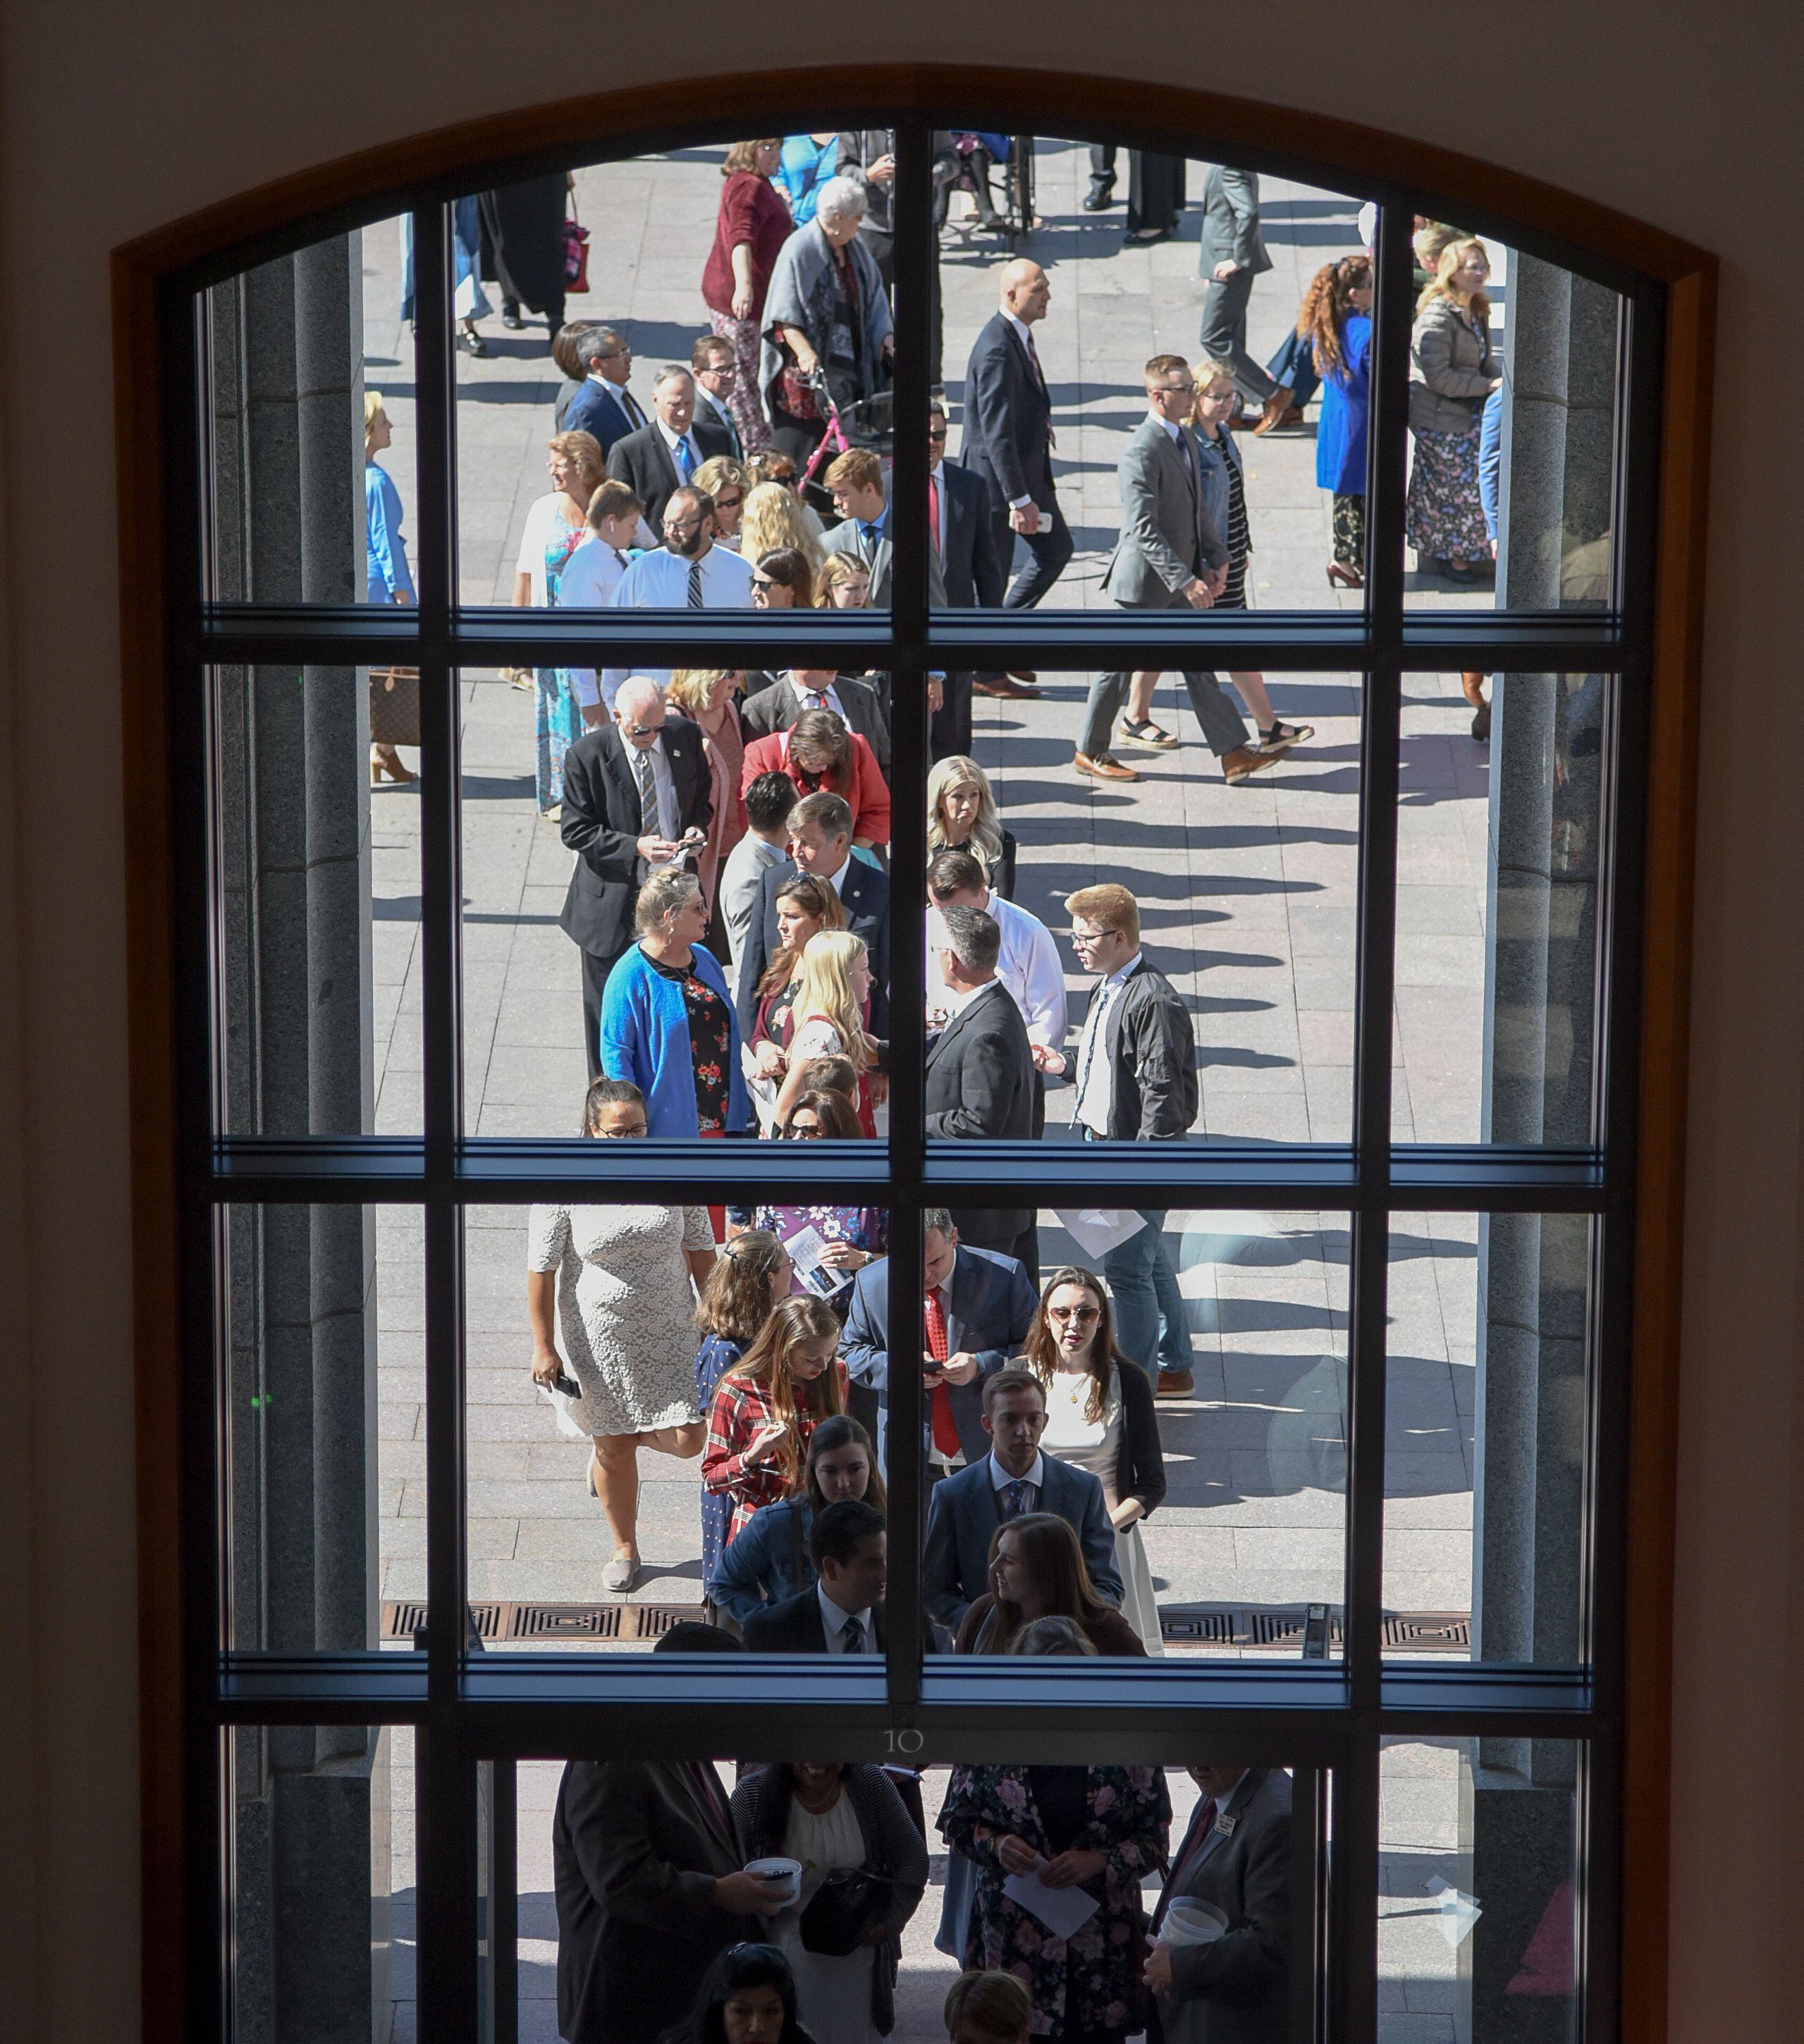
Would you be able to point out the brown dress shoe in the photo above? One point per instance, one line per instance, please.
(1007, 687)
(1244, 761)
(1106, 766)
(1175, 1384)
(1276, 406)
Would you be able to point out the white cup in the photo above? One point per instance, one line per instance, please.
(786, 1871)
(1188, 1922)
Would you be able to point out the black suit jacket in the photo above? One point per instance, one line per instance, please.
(865, 897)
(595, 408)
(601, 824)
(976, 574)
(795, 1626)
(642, 461)
(1149, 1040)
(980, 1084)
(636, 1848)
(708, 413)
(776, 708)
(1008, 418)
(964, 1512)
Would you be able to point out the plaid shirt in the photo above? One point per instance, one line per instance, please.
(742, 1406)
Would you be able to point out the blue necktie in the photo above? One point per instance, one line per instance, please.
(685, 464)
(872, 531)
(1014, 1494)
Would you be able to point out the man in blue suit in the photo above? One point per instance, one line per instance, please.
(985, 1305)
(820, 844)
(1013, 1478)
(604, 406)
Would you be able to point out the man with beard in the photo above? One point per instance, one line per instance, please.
(688, 572)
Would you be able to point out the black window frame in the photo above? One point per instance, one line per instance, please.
(474, 1717)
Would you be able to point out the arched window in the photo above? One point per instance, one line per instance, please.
(1317, 751)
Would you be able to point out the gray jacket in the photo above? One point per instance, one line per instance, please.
(1230, 221)
(1452, 367)
(1168, 535)
(845, 538)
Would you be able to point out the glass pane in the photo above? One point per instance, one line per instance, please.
(580, 1538)
(310, 380)
(1253, 1887)
(1069, 430)
(1241, 894)
(323, 1436)
(1487, 1452)
(1513, 410)
(1479, 1912)
(1499, 860)
(318, 906)
(1201, 1487)
(322, 1898)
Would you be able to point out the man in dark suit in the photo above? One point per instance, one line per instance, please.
(1232, 254)
(964, 1512)
(632, 791)
(1169, 557)
(979, 1306)
(646, 1853)
(855, 702)
(980, 1072)
(1235, 1856)
(712, 364)
(604, 406)
(844, 1612)
(658, 459)
(1008, 431)
(820, 843)
(965, 517)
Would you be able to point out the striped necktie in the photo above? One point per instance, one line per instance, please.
(695, 600)
(648, 820)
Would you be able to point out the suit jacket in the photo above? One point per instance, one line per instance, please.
(1007, 417)
(1230, 221)
(1235, 1990)
(776, 708)
(880, 559)
(595, 408)
(1167, 536)
(643, 462)
(964, 1512)
(972, 559)
(708, 411)
(601, 825)
(795, 1626)
(635, 1850)
(980, 1085)
(988, 1312)
(1148, 1039)
(865, 896)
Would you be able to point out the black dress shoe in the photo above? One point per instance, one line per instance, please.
(1099, 201)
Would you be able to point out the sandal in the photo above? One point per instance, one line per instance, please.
(1282, 735)
(1147, 733)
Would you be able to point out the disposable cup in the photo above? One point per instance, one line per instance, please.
(1191, 1922)
(787, 1871)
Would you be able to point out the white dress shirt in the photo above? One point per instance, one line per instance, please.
(664, 783)
(673, 441)
(1000, 1480)
(829, 696)
(836, 881)
(717, 412)
(1028, 966)
(834, 1622)
(1095, 1074)
(589, 579)
(659, 581)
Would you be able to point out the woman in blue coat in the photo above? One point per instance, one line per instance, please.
(1336, 319)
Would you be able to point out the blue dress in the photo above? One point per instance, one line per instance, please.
(385, 557)
(1346, 398)
(805, 167)
(560, 719)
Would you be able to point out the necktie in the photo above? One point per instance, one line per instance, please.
(630, 405)
(1092, 1042)
(695, 601)
(1033, 357)
(817, 699)
(708, 1787)
(1199, 1836)
(939, 1409)
(685, 460)
(871, 531)
(621, 558)
(647, 796)
(852, 1635)
(1014, 1497)
(933, 515)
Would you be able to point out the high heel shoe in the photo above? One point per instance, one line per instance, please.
(1348, 578)
(384, 760)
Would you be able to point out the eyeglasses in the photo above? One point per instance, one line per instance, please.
(806, 1131)
(1074, 1313)
(1173, 390)
(726, 371)
(936, 432)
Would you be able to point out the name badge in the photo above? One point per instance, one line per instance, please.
(1225, 1824)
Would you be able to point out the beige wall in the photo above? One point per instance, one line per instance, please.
(120, 117)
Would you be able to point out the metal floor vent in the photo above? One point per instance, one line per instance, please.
(1267, 1626)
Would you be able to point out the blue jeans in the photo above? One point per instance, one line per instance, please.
(1150, 1324)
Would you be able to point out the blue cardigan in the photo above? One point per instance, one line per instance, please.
(645, 1039)
(768, 1563)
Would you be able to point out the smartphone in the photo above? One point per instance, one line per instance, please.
(564, 1381)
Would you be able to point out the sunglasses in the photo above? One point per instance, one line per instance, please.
(1074, 1313)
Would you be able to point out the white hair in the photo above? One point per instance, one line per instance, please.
(840, 198)
(637, 692)
(669, 373)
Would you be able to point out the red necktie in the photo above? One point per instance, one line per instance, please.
(1198, 1838)
(934, 514)
(1033, 357)
(945, 1428)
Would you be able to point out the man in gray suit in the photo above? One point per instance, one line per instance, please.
(1232, 254)
(855, 479)
(1169, 554)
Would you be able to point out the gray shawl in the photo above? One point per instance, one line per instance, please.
(800, 294)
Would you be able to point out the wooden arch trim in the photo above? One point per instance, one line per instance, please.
(292, 209)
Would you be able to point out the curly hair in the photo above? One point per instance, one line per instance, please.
(736, 1301)
(1326, 306)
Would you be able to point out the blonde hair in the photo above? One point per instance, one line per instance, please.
(836, 571)
(1109, 904)
(583, 451)
(985, 842)
(1206, 370)
(799, 1406)
(689, 688)
(373, 411)
(771, 517)
(1440, 284)
(744, 156)
(823, 987)
(719, 468)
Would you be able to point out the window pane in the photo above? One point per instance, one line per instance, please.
(318, 907)
(1487, 1454)
(310, 377)
(1237, 1465)
(322, 1881)
(323, 1438)
(1499, 861)
(1117, 303)
(1512, 495)
(1263, 1878)
(1479, 1925)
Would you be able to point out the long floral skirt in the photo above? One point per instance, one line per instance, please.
(1444, 517)
(559, 726)
(1350, 531)
(748, 413)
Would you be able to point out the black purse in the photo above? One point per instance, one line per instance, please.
(844, 1909)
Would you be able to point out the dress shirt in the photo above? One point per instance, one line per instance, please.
(673, 441)
(937, 506)
(836, 881)
(1020, 326)
(664, 781)
(833, 1622)
(589, 579)
(1028, 966)
(830, 698)
(1030, 1484)
(659, 581)
(1095, 1074)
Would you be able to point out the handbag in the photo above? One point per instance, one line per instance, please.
(576, 253)
(849, 1903)
(394, 705)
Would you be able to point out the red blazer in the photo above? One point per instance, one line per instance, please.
(869, 794)
(752, 209)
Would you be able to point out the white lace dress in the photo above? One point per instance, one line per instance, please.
(624, 1308)
(1096, 1445)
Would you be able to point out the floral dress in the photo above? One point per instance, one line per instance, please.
(710, 1044)
(1086, 1986)
(560, 721)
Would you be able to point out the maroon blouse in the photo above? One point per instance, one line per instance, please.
(752, 209)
